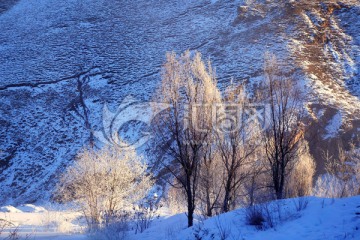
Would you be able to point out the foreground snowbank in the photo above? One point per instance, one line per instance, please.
(319, 218)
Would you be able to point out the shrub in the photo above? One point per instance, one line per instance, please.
(104, 182)
(301, 177)
(254, 216)
(342, 178)
(301, 203)
(116, 230)
(145, 213)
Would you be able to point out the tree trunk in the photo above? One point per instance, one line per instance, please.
(208, 205)
(226, 197)
(279, 194)
(190, 215)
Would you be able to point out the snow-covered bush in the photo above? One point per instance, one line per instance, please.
(175, 200)
(102, 183)
(116, 230)
(301, 177)
(144, 213)
(63, 226)
(330, 186)
(342, 178)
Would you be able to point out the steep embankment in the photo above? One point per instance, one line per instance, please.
(322, 39)
(326, 46)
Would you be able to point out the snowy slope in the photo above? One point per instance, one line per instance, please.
(60, 61)
(322, 219)
(330, 219)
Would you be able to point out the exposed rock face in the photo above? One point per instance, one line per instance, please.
(60, 61)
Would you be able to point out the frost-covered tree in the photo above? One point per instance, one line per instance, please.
(211, 186)
(236, 143)
(184, 130)
(285, 131)
(104, 182)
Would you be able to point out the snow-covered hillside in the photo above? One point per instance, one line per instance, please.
(321, 219)
(60, 61)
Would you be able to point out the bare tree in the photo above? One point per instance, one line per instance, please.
(211, 187)
(237, 143)
(255, 188)
(182, 131)
(103, 182)
(285, 131)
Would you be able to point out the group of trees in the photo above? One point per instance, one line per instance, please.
(220, 149)
(218, 154)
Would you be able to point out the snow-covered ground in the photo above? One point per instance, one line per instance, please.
(38, 223)
(321, 219)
